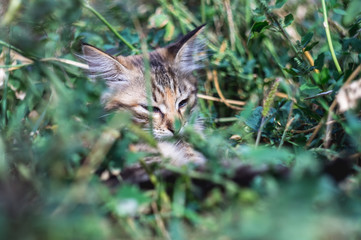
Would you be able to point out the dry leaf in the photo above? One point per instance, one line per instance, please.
(15, 59)
(348, 96)
(236, 137)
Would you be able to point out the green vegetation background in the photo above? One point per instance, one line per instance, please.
(54, 131)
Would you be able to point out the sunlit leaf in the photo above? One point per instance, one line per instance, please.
(288, 20)
(306, 39)
(280, 3)
(259, 26)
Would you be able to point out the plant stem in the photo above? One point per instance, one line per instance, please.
(203, 11)
(147, 77)
(5, 93)
(111, 28)
(288, 124)
(10, 46)
(225, 119)
(260, 131)
(328, 35)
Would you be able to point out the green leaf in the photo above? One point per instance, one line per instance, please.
(259, 26)
(169, 31)
(260, 18)
(319, 61)
(292, 71)
(158, 20)
(339, 11)
(309, 47)
(288, 20)
(254, 121)
(280, 3)
(353, 43)
(306, 39)
(352, 11)
(309, 90)
(323, 77)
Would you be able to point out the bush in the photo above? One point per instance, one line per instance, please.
(292, 156)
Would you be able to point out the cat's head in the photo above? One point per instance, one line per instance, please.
(173, 86)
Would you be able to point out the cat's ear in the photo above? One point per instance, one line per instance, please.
(104, 66)
(188, 51)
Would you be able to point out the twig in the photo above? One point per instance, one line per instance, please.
(219, 91)
(260, 131)
(66, 61)
(313, 128)
(319, 95)
(232, 29)
(327, 139)
(317, 128)
(160, 221)
(230, 101)
(98, 152)
(340, 29)
(288, 124)
(215, 79)
(333, 105)
(10, 68)
(304, 131)
(263, 123)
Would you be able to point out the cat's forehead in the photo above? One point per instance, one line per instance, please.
(163, 73)
(157, 58)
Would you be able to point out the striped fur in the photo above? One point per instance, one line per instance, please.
(173, 86)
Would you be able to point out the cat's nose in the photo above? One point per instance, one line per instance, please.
(170, 126)
(174, 129)
(174, 126)
(171, 129)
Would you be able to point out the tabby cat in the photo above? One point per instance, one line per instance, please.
(173, 86)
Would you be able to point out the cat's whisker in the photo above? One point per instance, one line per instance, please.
(104, 115)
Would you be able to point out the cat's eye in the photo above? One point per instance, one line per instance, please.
(154, 109)
(183, 103)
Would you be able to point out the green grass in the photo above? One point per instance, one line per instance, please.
(55, 133)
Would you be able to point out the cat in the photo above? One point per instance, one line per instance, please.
(173, 91)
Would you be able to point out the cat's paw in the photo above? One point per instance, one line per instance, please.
(180, 154)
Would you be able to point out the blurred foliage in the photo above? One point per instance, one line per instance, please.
(53, 127)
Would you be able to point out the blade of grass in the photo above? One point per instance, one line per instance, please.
(148, 83)
(5, 92)
(203, 10)
(10, 46)
(52, 59)
(328, 35)
(111, 28)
